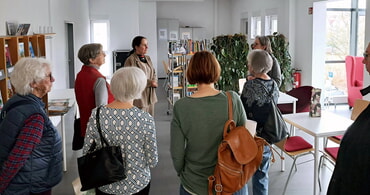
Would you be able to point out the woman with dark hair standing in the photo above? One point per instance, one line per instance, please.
(263, 42)
(138, 59)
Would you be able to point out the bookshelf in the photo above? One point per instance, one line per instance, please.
(10, 45)
(179, 54)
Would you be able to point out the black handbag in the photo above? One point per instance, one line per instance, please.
(78, 140)
(275, 128)
(101, 167)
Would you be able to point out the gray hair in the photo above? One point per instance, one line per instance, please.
(265, 41)
(260, 60)
(26, 71)
(89, 51)
(128, 83)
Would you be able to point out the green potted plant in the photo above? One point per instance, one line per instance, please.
(231, 52)
(280, 48)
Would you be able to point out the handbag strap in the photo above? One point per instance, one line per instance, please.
(103, 141)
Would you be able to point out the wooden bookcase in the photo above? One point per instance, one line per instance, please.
(13, 42)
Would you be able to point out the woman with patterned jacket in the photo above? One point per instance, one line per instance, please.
(127, 126)
(30, 147)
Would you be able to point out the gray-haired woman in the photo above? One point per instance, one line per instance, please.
(30, 147)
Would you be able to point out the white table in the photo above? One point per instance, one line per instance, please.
(287, 99)
(63, 94)
(329, 124)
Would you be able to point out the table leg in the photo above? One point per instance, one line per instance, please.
(316, 165)
(63, 143)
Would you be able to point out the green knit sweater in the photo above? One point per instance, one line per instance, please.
(196, 131)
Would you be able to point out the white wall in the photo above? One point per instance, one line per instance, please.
(77, 13)
(193, 14)
(148, 28)
(123, 17)
(50, 13)
(293, 21)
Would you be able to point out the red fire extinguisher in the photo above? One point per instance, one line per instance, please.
(296, 78)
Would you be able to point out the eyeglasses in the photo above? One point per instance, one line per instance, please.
(366, 55)
(50, 76)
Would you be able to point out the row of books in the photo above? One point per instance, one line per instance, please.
(188, 46)
(9, 62)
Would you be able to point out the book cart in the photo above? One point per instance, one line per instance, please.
(179, 54)
(13, 48)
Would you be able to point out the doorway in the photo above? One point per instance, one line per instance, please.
(70, 54)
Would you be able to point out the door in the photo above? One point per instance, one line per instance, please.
(71, 57)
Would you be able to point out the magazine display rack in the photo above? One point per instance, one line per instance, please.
(12, 48)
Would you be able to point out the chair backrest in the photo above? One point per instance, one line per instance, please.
(359, 106)
(303, 94)
(166, 67)
(354, 71)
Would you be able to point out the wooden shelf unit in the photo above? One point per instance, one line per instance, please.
(38, 45)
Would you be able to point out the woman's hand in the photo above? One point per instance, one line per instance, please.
(154, 84)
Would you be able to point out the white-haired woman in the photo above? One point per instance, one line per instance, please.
(256, 101)
(30, 147)
(127, 126)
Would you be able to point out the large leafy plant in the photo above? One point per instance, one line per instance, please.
(231, 52)
(280, 48)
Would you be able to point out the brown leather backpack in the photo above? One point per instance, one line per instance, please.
(239, 156)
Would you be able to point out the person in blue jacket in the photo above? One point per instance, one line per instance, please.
(30, 147)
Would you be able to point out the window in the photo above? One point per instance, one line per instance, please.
(100, 34)
(255, 26)
(271, 24)
(345, 35)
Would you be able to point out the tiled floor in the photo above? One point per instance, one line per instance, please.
(164, 179)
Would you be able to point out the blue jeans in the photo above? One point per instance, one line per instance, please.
(243, 191)
(183, 191)
(260, 179)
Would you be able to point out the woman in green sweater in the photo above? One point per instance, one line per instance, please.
(197, 125)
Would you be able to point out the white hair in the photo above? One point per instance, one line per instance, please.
(26, 71)
(260, 60)
(128, 83)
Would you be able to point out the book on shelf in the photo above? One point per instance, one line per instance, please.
(21, 49)
(7, 56)
(32, 53)
(10, 89)
(23, 29)
(1, 101)
(58, 105)
(11, 28)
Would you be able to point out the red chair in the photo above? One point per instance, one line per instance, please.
(355, 78)
(329, 154)
(303, 94)
(294, 147)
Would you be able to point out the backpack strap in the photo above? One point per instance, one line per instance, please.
(230, 123)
